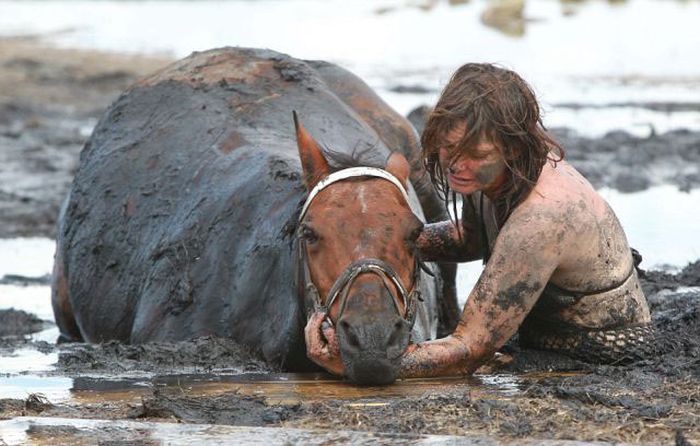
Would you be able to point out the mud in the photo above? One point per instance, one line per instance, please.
(17, 323)
(205, 354)
(14, 279)
(229, 409)
(549, 396)
(50, 101)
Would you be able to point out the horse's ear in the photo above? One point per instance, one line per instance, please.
(313, 162)
(399, 167)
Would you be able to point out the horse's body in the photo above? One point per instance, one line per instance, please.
(182, 216)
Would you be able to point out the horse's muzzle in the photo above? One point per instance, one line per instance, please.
(372, 351)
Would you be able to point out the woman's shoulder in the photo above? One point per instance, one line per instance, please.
(562, 188)
(561, 197)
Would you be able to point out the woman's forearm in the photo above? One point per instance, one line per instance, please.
(442, 357)
(441, 242)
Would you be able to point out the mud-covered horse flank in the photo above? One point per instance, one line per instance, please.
(182, 216)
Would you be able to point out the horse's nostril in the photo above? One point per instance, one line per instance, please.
(397, 334)
(350, 337)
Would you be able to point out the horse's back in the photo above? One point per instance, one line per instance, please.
(181, 216)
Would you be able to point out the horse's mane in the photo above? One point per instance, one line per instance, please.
(356, 158)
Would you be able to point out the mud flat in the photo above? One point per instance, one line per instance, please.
(537, 396)
(78, 432)
(51, 99)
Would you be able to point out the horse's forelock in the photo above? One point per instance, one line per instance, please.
(356, 158)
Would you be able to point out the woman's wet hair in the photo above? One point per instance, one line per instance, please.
(495, 105)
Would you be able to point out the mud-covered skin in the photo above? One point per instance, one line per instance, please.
(445, 241)
(490, 172)
(182, 214)
(482, 170)
(563, 233)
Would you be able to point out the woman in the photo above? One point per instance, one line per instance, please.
(558, 268)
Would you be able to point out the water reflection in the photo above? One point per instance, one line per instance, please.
(56, 389)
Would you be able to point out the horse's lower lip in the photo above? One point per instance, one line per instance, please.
(372, 371)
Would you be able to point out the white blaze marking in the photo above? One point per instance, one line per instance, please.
(361, 197)
(363, 206)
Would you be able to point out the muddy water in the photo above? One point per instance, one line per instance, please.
(278, 388)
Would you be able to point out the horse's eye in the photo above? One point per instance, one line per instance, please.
(308, 234)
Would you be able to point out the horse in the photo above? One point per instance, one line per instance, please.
(197, 209)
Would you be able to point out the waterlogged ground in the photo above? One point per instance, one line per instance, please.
(597, 65)
(215, 383)
(215, 392)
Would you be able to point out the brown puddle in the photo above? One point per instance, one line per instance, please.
(286, 388)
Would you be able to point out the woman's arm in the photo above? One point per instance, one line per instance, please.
(442, 242)
(525, 255)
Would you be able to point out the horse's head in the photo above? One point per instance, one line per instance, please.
(357, 259)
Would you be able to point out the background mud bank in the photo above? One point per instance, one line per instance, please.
(52, 98)
(50, 101)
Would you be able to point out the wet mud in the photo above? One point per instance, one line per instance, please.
(17, 323)
(51, 99)
(213, 380)
(536, 395)
(199, 355)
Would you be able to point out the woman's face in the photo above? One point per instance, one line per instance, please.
(483, 169)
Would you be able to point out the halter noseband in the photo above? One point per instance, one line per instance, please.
(341, 287)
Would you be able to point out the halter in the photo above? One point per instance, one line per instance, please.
(341, 287)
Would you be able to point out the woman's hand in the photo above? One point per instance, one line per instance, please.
(322, 344)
